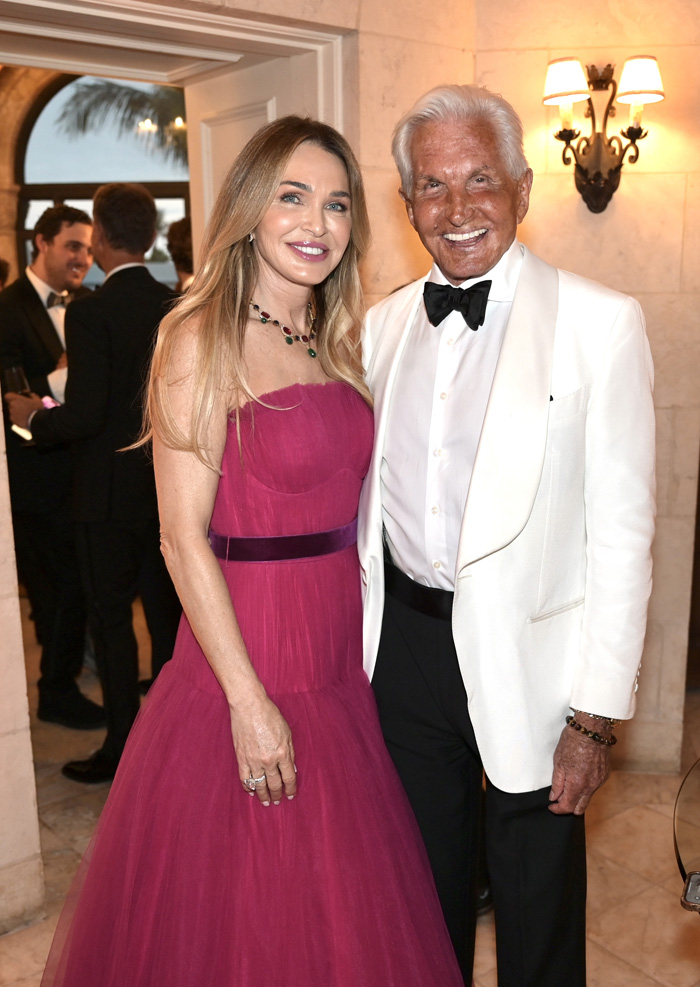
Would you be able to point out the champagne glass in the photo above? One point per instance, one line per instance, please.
(16, 381)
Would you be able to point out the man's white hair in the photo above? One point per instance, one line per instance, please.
(447, 103)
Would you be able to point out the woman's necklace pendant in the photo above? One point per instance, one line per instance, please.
(289, 335)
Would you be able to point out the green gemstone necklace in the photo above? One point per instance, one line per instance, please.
(289, 334)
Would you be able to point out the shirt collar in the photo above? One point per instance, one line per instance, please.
(122, 267)
(504, 275)
(42, 289)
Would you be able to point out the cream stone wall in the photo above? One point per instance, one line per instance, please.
(403, 49)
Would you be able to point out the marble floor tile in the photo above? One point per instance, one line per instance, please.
(651, 932)
(485, 951)
(610, 884)
(50, 840)
(59, 870)
(51, 785)
(604, 969)
(489, 979)
(77, 816)
(23, 954)
(638, 839)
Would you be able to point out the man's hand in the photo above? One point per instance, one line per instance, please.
(581, 765)
(21, 407)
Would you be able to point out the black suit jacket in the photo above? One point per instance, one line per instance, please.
(28, 338)
(109, 341)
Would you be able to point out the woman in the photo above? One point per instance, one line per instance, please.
(256, 832)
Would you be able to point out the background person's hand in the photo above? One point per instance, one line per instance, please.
(21, 407)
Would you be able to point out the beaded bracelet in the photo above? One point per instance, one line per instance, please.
(606, 741)
(595, 716)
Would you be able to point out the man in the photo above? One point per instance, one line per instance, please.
(32, 313)
(511, 493)
(180, 250)
(110, 336)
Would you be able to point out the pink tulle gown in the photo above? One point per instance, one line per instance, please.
(190, 882)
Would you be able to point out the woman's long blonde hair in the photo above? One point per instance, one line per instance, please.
(220, 294)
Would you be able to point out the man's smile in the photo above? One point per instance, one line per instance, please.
(464, 237)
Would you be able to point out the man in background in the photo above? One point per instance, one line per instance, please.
(180, 250)
(32, 339)
(110, 337)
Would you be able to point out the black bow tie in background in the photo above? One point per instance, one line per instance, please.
(55, 299)
(441, 299)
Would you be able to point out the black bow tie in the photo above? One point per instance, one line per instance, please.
(441, 299)
(55, 299)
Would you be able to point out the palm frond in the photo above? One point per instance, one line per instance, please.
(99, 101)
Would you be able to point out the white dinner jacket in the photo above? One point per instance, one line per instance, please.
(554, 560)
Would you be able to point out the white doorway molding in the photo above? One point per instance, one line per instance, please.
(162, 43)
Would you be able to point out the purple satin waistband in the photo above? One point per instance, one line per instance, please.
(283, 547)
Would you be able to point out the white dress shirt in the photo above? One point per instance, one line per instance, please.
(437, 412)
(57, 314)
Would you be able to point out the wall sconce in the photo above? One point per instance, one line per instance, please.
(598, 159)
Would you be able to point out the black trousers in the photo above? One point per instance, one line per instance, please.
(536, 860)
(47, 564)
(120, 560)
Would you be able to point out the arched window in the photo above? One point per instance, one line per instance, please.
(53, 166)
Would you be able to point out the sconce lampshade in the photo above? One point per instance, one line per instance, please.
(640, 81)
(565, 82)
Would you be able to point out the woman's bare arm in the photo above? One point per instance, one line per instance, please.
(186, 493)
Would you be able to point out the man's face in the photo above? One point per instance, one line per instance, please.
(463, 205)
(64, 261)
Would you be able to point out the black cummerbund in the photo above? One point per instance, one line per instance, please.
(283, 547)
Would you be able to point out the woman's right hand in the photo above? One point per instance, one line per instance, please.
(264, 750)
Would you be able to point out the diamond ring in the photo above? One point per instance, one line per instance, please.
(252, 782)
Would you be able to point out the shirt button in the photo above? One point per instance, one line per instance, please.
(434, 510)
(449, 342)
(437, 452)
(437, 565)
(443, 395)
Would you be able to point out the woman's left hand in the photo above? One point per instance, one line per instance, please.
(264, 751)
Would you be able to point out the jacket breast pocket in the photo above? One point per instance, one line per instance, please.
(560, 510)
(568, 406)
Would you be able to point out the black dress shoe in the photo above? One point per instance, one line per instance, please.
(73, 710)
(96, 768)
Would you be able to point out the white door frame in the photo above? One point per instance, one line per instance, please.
(160, 43)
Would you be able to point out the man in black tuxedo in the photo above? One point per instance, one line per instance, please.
(110, 336)
(32, 313)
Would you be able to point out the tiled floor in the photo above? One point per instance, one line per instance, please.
(639, 936)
